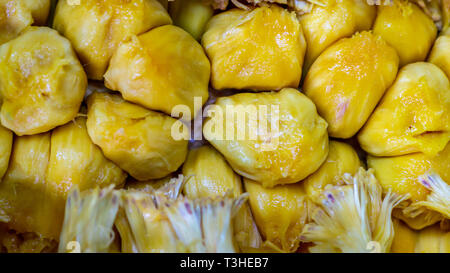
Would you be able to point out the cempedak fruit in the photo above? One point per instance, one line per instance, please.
(413, 116)
(280, 213)
(342, 159)
(161, 69)
(6, 141)
(138, 140)
(335, 19)
(41, 81)
(403, 175)
(348, 79)
(273, 138)
(440, 53)
(405, 27)
(259, 49)
(96, 28)
(209, 176)
(17, 15)
(429, 240)
(43, 169)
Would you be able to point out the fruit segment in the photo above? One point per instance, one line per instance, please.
(209, 176)
(405, 27)
(42, 83)
(414, 115)
(6, 141)
(401, 175)
(260, 49)
(280, 213)
(428, 240)
(281, 142)
(342, 159)
(105, 24)
(43, 169)
(17, 15)
(348, 79)
(331, 21)
(161, 69)
(138, 140)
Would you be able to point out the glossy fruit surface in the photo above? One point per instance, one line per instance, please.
(161, 69)
(348, 79)
(342, 159)
(261, 49)
(274, 138)
(138, 140)
(405, 27)
(280, 213)
(41, 81)
(335, 19)
(414, 115)
(105, 24)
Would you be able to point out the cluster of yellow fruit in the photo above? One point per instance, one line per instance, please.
(356, 85)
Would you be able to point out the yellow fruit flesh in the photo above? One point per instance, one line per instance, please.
(414, 115)
(440, 54)
(14, 18)
(342, 158)
(42, 171)
(6, 141)
(41, 81)
(294, 144)
(429, 240)
(405, 27)
(75, 160)
(419, 222)
(13, 242)
(39, 10)
(209, 176)
(279, 212)
(23, 192)
(401, 175)
(348, 79)
(336, 19)
(261, 49)
(136, 139)
(104, 26)
(148, 185)
(192, 16)
(17, 15)
(160, 69)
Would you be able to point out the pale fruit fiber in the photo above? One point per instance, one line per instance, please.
(401, 174)
(209, 176)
